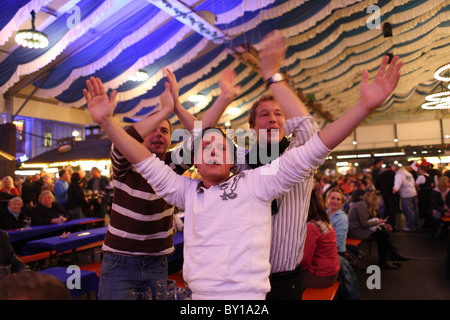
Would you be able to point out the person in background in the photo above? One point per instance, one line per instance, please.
(385, 185)
(12, 217)
(376, 169)
(404, 185)
(348, 281)
(440, 204)
(61, 187)
(76, 200)
(424, 185)
(47, 184)
(97, 187)
(48, 211)
(8, 256)
(28, 193)
(8, 186)
(320, 263)
(364, 223)
(338, 218)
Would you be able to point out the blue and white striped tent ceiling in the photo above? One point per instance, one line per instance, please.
(330, 43)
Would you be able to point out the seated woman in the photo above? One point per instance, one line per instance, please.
(48, 211)
(12, 217)
(320, 263)
(8, 186)
(363, 224)
(338, 218)
(440, 203)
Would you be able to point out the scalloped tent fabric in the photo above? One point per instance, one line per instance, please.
(329, 43)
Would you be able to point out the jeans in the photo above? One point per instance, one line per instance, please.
(120, 273)
(411, 212)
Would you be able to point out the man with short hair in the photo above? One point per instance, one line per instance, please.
(61, 187)
(404, 184)
(97, 186)
(227, 218)
(140, 233)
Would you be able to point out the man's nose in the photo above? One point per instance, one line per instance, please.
(272, 118)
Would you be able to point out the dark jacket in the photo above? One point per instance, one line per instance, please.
(76, 196)
(8, 221)
(437, 203)
(8, 256)
(41, 215)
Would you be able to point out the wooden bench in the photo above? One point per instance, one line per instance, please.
(94, 267)
(321, 293)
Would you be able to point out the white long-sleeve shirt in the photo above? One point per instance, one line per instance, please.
(227, 226)
(404, 183)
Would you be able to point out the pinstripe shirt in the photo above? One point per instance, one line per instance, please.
(289, 224)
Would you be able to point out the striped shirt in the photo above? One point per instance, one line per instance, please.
(141, 222)
(289, 224)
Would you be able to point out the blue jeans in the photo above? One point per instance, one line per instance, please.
(120, 273)
(411, 210)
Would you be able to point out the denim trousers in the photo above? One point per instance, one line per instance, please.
(410, 209)
(120, 273)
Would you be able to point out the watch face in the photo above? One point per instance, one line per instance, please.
(277, 77)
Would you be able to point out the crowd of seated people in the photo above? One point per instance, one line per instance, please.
(359, 206)
(48, 199)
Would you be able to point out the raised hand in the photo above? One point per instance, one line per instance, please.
(273, 52)
(374, 94)
(174, 87)
(226, 84)
(166, 98)
(100, 106)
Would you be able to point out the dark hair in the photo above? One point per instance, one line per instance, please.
(33, 286)
(61, 173)
(197, 142)
(252, 111)
(317, 208)
(75, 177)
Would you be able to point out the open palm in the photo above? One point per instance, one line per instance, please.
(375, 93)
(99, 105)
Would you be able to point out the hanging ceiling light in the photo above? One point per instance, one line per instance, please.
(141, 75)
(440, 100)
(197, 98)
(31, 38)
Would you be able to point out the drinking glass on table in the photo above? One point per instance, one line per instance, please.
(27, 222)
(176, 293)
(141, 293)
(164, 287)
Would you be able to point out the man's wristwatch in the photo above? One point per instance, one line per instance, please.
(277, 77)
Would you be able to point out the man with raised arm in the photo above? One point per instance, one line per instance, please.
(140, 236)
(227, 219)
